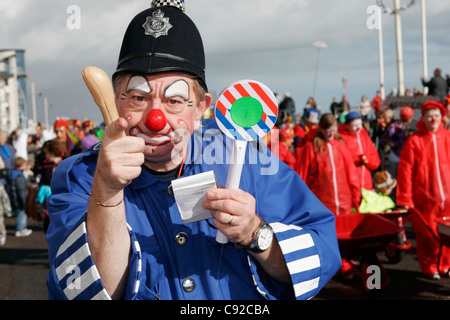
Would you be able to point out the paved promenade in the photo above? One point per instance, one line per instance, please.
(24, 268)
(24, 264)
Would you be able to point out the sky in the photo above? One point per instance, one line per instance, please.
(265, 40)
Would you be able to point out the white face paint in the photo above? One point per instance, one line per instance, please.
(432, 119)
(179, 88)
(139, 83)
(355, 126)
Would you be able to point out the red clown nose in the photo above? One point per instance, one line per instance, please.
(156, 120)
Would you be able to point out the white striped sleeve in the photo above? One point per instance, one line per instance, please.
(76, 272)
(301, 258)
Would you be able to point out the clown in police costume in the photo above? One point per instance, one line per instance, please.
(116, 230)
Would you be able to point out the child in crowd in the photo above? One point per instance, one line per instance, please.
(18, 184)
(54, 152)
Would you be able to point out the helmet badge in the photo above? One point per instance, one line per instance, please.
(157, 25)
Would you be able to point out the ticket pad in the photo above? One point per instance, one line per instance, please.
(189, 193)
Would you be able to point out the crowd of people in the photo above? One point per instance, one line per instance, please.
(368, 160)
(116, 230)
(354, 161)
(350, 159)
(29, 160)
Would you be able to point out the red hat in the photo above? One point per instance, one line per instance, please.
(74, 122)
(433, 104)
(286, 133)
(60, 123)
(406, 113)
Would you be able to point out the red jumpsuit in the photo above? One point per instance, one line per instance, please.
(423, 182)
(361, 144)
(286, 155)
(330, 175)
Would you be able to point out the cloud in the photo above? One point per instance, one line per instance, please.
(267, 40)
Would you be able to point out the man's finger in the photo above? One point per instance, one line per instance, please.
(232, 194)
(116, 129)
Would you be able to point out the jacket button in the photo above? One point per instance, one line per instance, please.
(181, 238)
(188, 285)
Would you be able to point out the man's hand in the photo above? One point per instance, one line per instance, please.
(234, 211)
(235, 216)
(120, 158)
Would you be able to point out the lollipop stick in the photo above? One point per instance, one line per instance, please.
(234, 174)
(245, 104)
(236, 163)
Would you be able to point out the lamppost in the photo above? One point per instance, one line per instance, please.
(398, 37)
(319, 45)
(33, 102)
(46, 105)
(380, 53)
(424, 45)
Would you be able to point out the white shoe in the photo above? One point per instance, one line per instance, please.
(23, 233)
(2, 241)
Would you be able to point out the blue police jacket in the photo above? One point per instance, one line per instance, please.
(198, 267)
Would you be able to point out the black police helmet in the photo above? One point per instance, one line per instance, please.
(163, 39)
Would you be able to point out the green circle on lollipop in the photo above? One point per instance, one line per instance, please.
(246, 112)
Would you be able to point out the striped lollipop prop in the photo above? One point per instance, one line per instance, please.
(245, 111)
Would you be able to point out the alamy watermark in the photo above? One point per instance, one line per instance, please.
(373, 21)
(73, 21)
(74, 280)
(374, 280)
(212, 147)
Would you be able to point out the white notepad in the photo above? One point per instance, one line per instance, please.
(189, 194)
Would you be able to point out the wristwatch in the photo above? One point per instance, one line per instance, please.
(262, 238)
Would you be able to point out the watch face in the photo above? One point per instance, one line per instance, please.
(265, 238)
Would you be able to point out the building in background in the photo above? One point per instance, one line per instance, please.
(13, 101)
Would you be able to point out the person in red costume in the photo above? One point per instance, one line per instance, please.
(362, 149)
(324, 163)
(286, 140)
(326, 166)
(423, 183)
(376, 102)
(310, 121)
